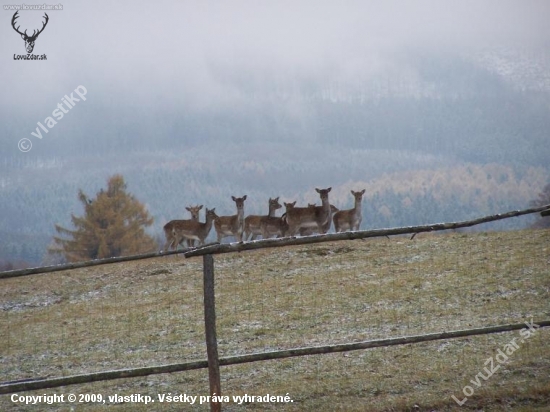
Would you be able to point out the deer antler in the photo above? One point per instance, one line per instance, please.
(34, 34)
(15, 16)
(43, 26)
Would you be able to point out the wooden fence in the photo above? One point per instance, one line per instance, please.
(213, 362)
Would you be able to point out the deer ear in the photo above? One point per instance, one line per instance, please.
(200, 207)
(353, 193)
(186, 208)
(244, 197)
(318, 191)
(363, 191)
(234, 199)
(329, 189)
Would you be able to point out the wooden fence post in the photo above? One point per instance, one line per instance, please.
(210, 331)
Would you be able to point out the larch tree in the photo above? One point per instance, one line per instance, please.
(113, 225)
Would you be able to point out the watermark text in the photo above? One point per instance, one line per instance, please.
(493, 363)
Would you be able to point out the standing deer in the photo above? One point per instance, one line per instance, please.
(195, 230)
(173, 242)
(307, 231)
(232, 225)
(350, 219)
(275, 226)
(252, 223)
(310, 217)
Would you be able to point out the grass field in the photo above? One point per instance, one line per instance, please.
(149, 312)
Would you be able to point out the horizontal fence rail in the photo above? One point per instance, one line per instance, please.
(288, 241)
(28, 385)
(85, 264)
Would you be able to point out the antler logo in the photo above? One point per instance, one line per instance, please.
(29, 40)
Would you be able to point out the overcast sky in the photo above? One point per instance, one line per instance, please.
(206, 53)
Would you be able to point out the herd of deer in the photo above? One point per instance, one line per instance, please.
(296, 220)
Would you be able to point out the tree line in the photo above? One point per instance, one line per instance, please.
(115, 222)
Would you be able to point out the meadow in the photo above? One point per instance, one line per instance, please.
(149, 312)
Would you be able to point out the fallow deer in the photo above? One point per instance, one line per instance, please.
(289, 206)
(171, 241)
(310, 217)
(232, 225)
(252, 223)
(350, 219)
(307, 231)
(196, 230)
(276, 226)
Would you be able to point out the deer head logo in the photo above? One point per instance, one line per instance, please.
(29, 40)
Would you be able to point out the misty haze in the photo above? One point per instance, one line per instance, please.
(440, 110)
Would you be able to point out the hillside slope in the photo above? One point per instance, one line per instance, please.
(149, 312)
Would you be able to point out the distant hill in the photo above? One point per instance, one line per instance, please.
(438, 137)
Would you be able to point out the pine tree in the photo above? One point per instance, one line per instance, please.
(113, 225)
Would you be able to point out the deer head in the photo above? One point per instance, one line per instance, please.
(211, 214)
(239, 201)
(194, 210)
(274, 204)
(358, 195)
(289, 205)
(323, 193)
(29, 40)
